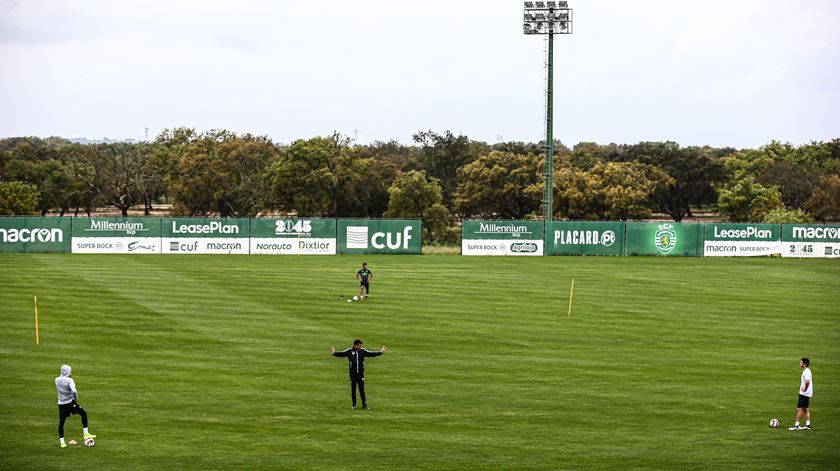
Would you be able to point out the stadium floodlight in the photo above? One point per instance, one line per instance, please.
(553, 17)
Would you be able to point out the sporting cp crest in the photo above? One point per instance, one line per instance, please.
(666, 238)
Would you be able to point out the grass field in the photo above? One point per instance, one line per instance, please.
(222, 362)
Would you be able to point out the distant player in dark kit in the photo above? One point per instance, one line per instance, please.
(357, 355)
(364, 276)
(67, 397)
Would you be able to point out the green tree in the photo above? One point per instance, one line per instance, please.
(610, 191)
(748, 201)
(497, 185)
(437, 220)
(695, 172)
(220, 172)
(414, 195)
(327, 176)
(441, 156)
(122, 169)
(411, 194)
(18, 199)
(787, 216)
(795, 181)
(824, 203)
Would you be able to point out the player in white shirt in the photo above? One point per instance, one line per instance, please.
(806, 391)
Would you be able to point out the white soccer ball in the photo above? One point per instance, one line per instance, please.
(774, 423)
(349, 300)
(89, 442)
(355, 298)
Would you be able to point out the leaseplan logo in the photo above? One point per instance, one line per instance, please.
(666, 238)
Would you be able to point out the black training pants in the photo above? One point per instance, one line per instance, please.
(357, 379)
(65, 410)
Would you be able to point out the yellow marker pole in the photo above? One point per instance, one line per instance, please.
(571, 293)
(37, 339)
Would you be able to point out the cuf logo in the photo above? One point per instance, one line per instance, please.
(666, 238)
(358, 237)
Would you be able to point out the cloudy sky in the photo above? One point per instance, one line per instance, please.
(721, 72)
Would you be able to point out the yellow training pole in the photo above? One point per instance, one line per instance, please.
(571, 293)
(37, 339)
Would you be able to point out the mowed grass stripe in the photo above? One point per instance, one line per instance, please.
(222, 362)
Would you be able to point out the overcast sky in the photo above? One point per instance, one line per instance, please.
(720, 72)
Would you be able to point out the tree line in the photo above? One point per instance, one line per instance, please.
(439, 178)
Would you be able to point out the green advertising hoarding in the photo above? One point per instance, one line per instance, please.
(504, 237)
(205, 235)
(664, 238)
(742, 240)
(293, 236)
(584, 238)
(379, 236)
(35, 234)
(811, 240)
(116, 235)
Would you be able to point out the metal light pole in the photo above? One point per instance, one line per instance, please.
(548, 18)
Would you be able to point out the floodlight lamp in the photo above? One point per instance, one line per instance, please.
(529, 4)
(563, 4)
(563, 16)
(552, 4)
(540, 4)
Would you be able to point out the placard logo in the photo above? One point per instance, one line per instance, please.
(577, 237)
(666, 238)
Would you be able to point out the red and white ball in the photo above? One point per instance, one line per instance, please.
(89, 442)
(774, 423)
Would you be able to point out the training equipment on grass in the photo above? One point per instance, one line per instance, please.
(89, 442)
(774, 423)
(349, 300)
(355, 298)
(37, 339)
(571, 293)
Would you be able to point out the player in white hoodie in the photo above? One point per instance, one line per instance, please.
(67, 396)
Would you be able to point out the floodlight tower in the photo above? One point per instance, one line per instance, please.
(548, 18)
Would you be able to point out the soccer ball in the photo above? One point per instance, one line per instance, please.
(349, 300)
(355, 298)
(774, 423)
(89, 442)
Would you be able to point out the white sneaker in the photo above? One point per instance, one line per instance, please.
(795, 427)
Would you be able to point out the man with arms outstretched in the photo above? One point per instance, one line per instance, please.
(357, 355)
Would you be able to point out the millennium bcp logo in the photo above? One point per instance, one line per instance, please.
(666, 238)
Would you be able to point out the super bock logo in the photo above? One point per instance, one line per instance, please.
(666, 238)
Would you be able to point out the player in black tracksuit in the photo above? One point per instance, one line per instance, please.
(357, 355)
